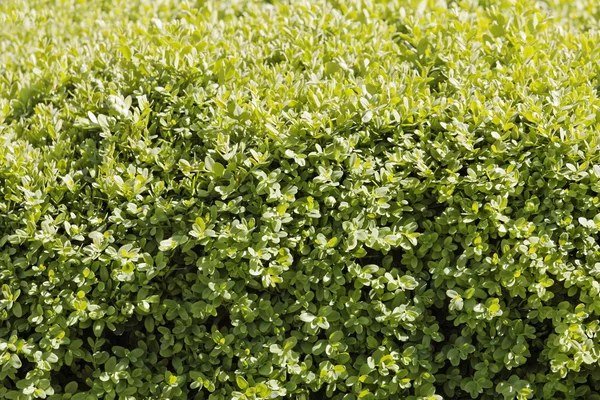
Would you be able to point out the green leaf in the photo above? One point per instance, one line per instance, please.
(241, 382)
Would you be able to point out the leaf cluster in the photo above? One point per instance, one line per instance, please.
(347, 199)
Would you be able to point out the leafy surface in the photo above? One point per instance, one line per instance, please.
(303, 199)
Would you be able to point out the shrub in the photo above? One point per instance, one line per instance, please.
(345, 199)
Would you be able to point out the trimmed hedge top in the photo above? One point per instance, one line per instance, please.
(346, 199)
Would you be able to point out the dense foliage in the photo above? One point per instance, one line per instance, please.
(305, 199)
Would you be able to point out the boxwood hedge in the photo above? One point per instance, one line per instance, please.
(348, 199)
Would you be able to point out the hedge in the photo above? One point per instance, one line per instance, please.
(347, 199)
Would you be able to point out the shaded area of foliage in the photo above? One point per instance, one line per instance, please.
(257, 200)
